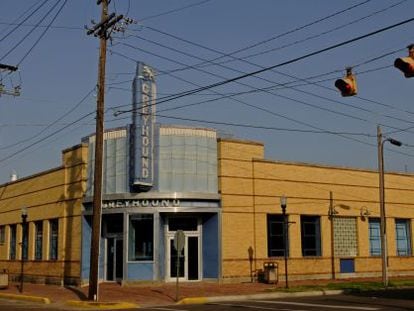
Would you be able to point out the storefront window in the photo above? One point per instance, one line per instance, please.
(141, 237)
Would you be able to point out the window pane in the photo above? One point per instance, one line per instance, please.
(38, 240)
(403, 239)
(25, 241)
(311, 237)
(183, 223)
(12, 254)
(2, 234)
(53, 239)
(374, 237)
(275, 238)
(141, 237)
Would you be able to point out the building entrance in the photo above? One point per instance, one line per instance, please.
(190, 259)
(114, 259)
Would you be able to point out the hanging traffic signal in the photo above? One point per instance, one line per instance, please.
(347, 85)
(406, 64)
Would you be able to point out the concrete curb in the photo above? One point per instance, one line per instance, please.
(204, 300)
(101, 305)
(25, 298)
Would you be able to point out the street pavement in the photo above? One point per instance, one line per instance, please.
(344, 302)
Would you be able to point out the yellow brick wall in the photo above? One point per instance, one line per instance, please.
(56, 193)
(251, 188)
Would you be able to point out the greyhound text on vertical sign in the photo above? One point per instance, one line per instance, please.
(142, 152)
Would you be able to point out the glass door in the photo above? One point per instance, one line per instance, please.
(189, 259)
(114, 259)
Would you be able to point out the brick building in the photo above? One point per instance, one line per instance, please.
(321, 200)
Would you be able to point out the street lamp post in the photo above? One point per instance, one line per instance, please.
(283, 201)
(383, 224)
(24, 223)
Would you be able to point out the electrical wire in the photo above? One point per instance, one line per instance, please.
(278, 95)
(186, 93)
(22, 22)
(243, 125)
(294, 60)
(30, 32)
(342, 104)
(44, 138)
(51, 124)
(174, 10)
(43, 33)
(317, 35)
(287, 32)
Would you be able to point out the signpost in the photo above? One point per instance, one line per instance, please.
(179, 243)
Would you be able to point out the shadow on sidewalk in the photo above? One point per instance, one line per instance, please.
(81, 295)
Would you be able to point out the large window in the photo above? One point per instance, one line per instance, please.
(403, 237)
(275, 238)
(25, 241)
(345, 236)
(38, 240)
(141, 237)
(2, 234)
(13, 241)
(374, 237)
(53, 239)
(311, 235)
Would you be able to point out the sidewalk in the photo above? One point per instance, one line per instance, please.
(143, 294)
(158, 294)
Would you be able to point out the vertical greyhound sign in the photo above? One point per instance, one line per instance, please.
(142, 129)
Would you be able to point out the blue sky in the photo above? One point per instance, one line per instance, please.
(171, 35)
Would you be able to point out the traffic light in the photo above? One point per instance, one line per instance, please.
(347, 85)
(406, 64)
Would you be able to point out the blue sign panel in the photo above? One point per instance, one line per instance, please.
(142, 129)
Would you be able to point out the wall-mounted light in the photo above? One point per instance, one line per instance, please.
(364, 212)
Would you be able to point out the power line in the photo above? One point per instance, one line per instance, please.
(31, 30)
(266, 127)
(264, 90)
(49, 125)
(174, 10)
(43, 26)
(267, 90)
(21, 23)
(317, 35)
(44, 138)
(43, 33)
(294, 60)
(186, 93)
(287, 32)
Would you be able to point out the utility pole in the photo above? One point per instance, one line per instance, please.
(331, 215)
(384, 263)
(99, 30)
(383, 218)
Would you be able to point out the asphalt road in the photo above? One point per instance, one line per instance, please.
(366, 302)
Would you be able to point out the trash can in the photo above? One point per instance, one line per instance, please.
(270, 272)
(4, 279)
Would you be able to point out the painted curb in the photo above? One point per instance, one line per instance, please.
(25, 298)
(204, 300)
(101, 305)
